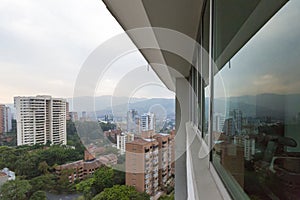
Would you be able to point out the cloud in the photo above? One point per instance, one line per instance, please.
(45, 43)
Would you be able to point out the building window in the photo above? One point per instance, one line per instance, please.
(256, 123)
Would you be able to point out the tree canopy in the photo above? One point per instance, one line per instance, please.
(38, 195)
(15, 190)
(104, 177)
(121, 192)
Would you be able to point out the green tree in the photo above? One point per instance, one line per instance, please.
(104, 178)
(45, 182)
(121, 192)
(63, 183)
(15, 190)
(27, 165)
(166, 197)
(119, 177)
(71, 129)
(86, 187)
(38, 195)
(8, 157)
(107, 126)
(43, 167)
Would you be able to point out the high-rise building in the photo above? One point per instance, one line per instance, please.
(5, 119)
(229, 128)
(68, 117)
(122, 139)
(142, 165)
(73, 116)
(249, 147)
(2, 112)
(165, 157)
(150, 163)
(237, 120)
(40, 119)
(219, 121)
(148, 122)
(132, 115)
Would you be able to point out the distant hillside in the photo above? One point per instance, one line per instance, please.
(101, 102)
(273, 105)
(159, 105)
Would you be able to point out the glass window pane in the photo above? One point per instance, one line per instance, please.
(256, 122)
(205, 69)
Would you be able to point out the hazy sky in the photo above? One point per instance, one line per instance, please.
(45, 43)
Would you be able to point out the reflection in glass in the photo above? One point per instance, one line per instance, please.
(257, 133)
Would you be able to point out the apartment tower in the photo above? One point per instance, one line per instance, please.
(5, 119)
(166, 159)
(142, 165)
(40, 119)
(148, 122)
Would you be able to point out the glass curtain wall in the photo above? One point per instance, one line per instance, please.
(256, 122)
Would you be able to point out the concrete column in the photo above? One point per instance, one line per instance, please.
(182, 117)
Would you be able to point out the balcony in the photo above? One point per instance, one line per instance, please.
(147, 156)
(147, 176)
(147, 181)
(165, 179)
(155, 161)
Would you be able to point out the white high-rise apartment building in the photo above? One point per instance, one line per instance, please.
(40, 119)
(249, 147)
(122, 139)
(219, 121)
(148, 122)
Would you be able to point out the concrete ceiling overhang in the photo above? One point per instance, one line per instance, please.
(238, 21)
(182, 16)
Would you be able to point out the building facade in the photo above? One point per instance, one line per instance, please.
(5, 119)
(142, 165)
(40, 119)
(166, 159)
(148, 122)
(81, 169)
(122, 139)
(73, 116)
(150, 163)
(219, 121)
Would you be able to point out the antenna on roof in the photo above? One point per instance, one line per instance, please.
(229, 63)
(148, 67)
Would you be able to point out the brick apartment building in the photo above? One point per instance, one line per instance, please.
(149, 163)
(80, 169)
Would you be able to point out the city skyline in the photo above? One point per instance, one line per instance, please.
(44, 45)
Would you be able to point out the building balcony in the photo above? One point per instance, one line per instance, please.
(147, 181)
(155, 162)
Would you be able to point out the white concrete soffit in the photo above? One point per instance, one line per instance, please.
(183, 17)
